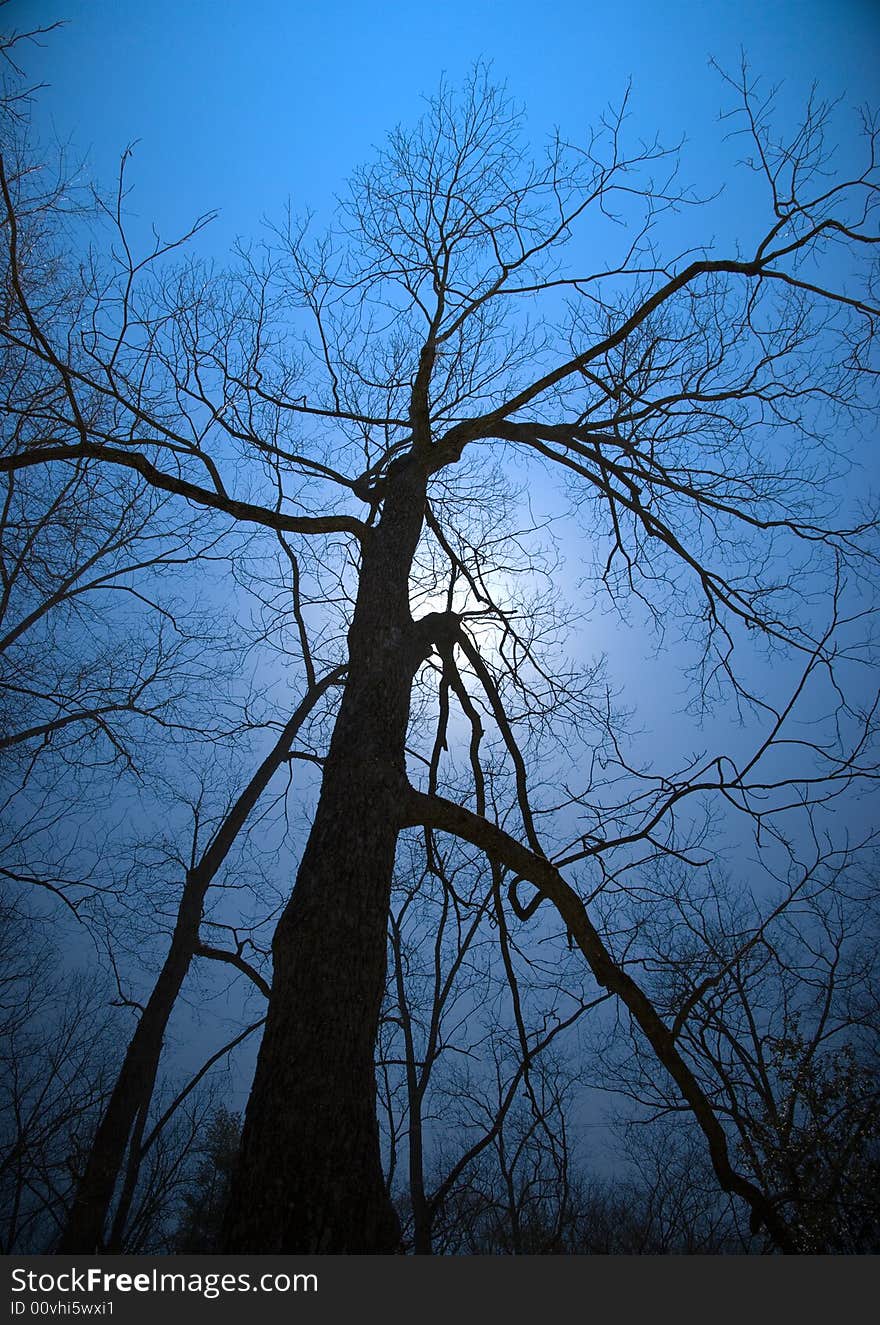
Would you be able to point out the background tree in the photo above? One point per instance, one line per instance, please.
(201, 1224)
(59, 1054)
(123, 1122)
(778, 1013)
(55, 1032)
(470, 1051)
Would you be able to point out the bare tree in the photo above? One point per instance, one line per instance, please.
(776, 1007)
(374, 395)
(167, 1175)
(665, 1202)
(471, 1028)
(56, 1046)
(124, 1120)
(204, 1206)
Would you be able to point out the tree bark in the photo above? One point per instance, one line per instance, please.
(310, 1176)
(84, 1229)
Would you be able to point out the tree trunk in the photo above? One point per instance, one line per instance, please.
(310, 1175)
(422, 1212)
(131, 1096)
(84, 1230)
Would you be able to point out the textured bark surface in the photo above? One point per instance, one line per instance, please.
(310, 1176)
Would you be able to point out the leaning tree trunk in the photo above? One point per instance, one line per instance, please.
(133, 1091)
(84, 1230)
(310, 1175)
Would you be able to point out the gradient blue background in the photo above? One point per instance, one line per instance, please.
(239, 105)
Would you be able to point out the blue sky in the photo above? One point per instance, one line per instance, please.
(238, 106)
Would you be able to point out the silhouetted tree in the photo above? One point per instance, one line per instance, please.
(469, 1045)
(776, 1006)
(459, 341)
(204, 1206)
(56, 1061)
